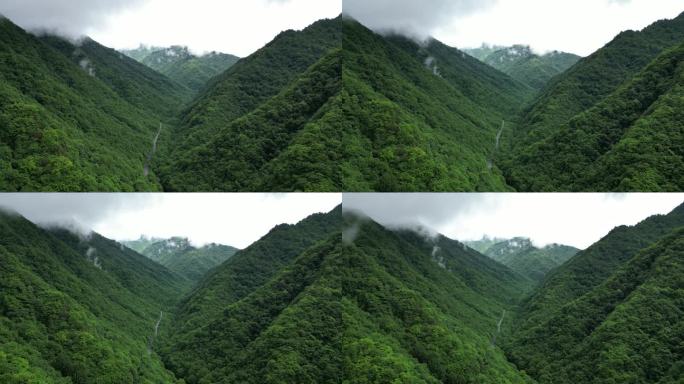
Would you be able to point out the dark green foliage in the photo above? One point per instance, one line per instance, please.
(631, 141)
(231, 283)
(192, 71)
(289, 309)
(612, 122)
(522, 256)
(78, 309)
(593, 266)
(178, 255)
(256, 79)
(248, 153)
(522, 64)
(628, 329)
(423, 310)
(420, 118)
(597, 76)
(76, 118)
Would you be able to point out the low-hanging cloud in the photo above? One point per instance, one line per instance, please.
(71, 18)
(573, 219)
(416, 18)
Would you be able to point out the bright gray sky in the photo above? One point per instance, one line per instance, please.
(577, 26)
(239, 27)
(572, 219)
(231, 219)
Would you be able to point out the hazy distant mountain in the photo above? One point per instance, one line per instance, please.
(523, 257)
(182, 66)
(178, 255)
(522, 64)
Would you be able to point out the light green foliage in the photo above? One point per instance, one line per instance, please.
(178, 255)
(186, 68)
(522, 256)
(522, 64)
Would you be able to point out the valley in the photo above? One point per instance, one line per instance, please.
(303, 305)
(338, 107)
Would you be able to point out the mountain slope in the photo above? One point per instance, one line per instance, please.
(253, 120)
(420, 117)
(597, 76)
(597, 112)
(424, 310)
(76, 118)
(630, 141)
(78, 309)
(232, 282)
(593, 266)
(389, 307)
(179, 256)
(186, 68)
(527, 67)
(627, 329)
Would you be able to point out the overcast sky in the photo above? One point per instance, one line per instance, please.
(231, 219)
(239, 27)
(572, 219)
(577, 26)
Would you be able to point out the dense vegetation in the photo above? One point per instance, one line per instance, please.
(420, 118)
(202, 324)
(633, 140)
(181, 257)
(522, 64)
(303, 305)
(611, 122)
(75, 118)
(341, 299)
(522, 256)
(77, 309)
(613, 314)
(184, 67)
(256, 127)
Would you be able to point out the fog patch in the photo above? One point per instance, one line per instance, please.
(411, 18)
(350, 233)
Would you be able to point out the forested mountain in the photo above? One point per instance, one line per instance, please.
(184, 67)
(304, 304)
(519, 62)
(79, 309)
(205, 319)
(522, 256)
(75, 118)
(611, 122)
(611, 314)
(421, 117)
(181, 257)
(264, 124)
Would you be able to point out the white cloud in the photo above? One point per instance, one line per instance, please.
(573, 219)
(232, 219)
(239, 27)
(577, 26)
